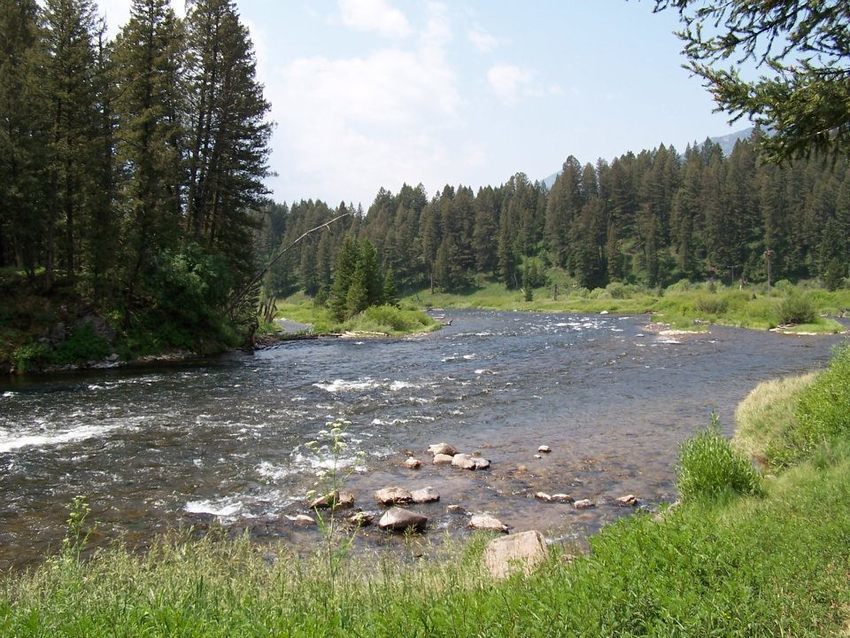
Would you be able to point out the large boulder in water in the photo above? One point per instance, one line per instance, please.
(442, 459)
(398, 519)
(517, 552)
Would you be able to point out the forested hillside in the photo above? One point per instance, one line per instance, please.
(130, 168)
(652, 218)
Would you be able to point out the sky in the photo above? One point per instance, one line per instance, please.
(377, 93)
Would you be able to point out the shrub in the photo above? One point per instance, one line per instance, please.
(84, 344)
(796, 309)
(711, 304)
(29, 356)
(709, 467)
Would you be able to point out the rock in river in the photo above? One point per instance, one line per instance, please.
(413, 463)
(487, 522)
(425, 495)
(584, 504)
(335, 500)
(400, 520)
(302, 520)
(469, 462)
(393, 495)
(442, 459)
(442, 448)
(630, 500)
(517, 552)
(544, 449)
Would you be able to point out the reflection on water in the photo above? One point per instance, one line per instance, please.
(226, 439)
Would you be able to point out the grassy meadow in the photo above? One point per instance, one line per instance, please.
(743, 554)
(685, 306)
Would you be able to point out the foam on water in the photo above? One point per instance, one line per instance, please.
(17, 440)
(227, 507)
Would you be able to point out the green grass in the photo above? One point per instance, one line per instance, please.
(773, 564)
(387, 320)
(683, 305)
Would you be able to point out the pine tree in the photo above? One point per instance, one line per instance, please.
(24, 211)
(227, 130)
(148, 64)
(69, 80)
(390, 294)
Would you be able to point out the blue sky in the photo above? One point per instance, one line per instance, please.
(372, 93)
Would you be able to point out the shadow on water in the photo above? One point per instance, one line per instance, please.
(223, 441)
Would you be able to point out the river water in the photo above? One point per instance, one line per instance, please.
(225, 440)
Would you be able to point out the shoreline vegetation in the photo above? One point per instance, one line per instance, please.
(744, 553)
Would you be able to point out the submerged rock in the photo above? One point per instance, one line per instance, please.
(630, 500)
(584, 504)
(538, 456)
(398, 519)
(442, 459)
(517, 552)
(425, 495)
(442, 448)
(487, 523)
(336, 500)
(361, 519)
(413, 463)
(456, 509)
(302, 520)
(393, 495)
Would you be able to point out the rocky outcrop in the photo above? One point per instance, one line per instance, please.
(393, 496)
(488, 523)
(517, 552)
(398, 519)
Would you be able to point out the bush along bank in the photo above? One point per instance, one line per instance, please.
(741, 555)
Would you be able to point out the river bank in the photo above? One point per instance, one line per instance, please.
(718, 564)
(792, 309)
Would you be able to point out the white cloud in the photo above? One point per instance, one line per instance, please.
(509, 81)
(374, 15)
(482, 40)
(351, 125)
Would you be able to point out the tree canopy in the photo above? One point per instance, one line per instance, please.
(802, 49)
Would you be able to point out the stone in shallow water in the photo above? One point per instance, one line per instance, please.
(629, 500)
(393, 495)
(544, 449)
(469, 462)
(425, 495)
(413, 463)
(361, 519)
(442, 448)
(335, 500)
(543, 496)
(442, 459)
(487, 523)
(584, 504)
(517, 552)
(562, 498)
(398, 519)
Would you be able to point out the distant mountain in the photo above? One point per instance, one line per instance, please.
(726, 142)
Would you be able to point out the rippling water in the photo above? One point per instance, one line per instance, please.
(153, 448)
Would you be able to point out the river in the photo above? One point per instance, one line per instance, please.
(225, 440)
